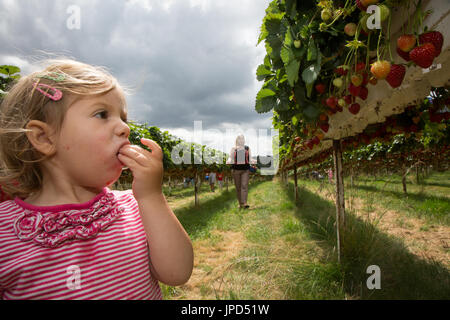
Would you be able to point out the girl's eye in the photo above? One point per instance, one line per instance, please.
(102, 115)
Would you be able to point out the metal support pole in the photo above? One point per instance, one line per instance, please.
(295, 183)
(340, 200)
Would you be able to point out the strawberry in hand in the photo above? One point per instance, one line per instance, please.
(146, 166)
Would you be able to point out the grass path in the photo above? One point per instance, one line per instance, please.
(280, 249)
(424, 229)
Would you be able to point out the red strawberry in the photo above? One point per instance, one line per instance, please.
(404, 55)
(406, 42)
(320, 87)
(354, 108)
(323, 117)
(354, 90)
(348, 99)
(341, 71)
(365, 79)
(332, 102)
(434, 37)
(363, 93)
(396, 75)
(360, 66)
(325, 127)
(361, 6)
(423, 55)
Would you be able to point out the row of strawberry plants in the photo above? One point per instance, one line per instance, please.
(322, 57)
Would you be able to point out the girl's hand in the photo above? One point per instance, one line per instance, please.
(146, 166)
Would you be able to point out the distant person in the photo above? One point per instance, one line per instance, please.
(220, 180)
(212, 180)
(240, 156)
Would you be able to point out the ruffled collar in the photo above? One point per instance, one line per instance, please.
(54, 225)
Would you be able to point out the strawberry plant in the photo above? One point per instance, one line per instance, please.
(321, 57)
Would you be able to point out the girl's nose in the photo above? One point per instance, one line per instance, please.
(123, 129)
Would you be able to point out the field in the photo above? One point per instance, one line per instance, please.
(282, 249)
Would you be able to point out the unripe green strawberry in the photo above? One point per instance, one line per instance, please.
(342, 102)
(297, 43)
(350, 29)
(326, 14)
(338, 82)
(356, 79)
(384, 12)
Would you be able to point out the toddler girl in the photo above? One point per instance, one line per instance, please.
(66, 235)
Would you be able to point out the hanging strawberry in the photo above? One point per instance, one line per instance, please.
(396, 75)
(434, 37)
(423, 55)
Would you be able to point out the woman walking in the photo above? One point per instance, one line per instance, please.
(240, 156)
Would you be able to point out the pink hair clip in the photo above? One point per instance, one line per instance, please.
(56, 96)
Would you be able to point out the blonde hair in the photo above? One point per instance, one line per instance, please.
(20, 170)
(240, 140)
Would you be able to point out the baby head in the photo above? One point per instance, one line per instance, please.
(65, 122)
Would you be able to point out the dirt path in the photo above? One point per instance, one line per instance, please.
(211, 260)
(208, 280)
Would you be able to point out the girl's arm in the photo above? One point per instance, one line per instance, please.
(171, 252)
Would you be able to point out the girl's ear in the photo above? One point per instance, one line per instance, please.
(40, 135)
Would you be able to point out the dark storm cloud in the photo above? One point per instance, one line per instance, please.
(183, 62)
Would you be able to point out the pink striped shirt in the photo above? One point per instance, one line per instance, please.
(105, 259)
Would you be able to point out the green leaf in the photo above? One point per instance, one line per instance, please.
(310, 74)
(266, 104)
(311, 112)
(263, 35)
(273, 22)
(299, 92)
(292, 72)
(267, 62)
(291, 8)
(312, 51)
(286, 55)
(9, 70)
(262, 72)
(264, 93)
(288, 41)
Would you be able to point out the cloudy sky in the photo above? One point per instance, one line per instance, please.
(186, 60)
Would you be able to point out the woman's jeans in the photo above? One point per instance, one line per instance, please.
(241, 182)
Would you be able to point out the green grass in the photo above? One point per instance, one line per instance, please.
(429, 200)
(289, 248)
